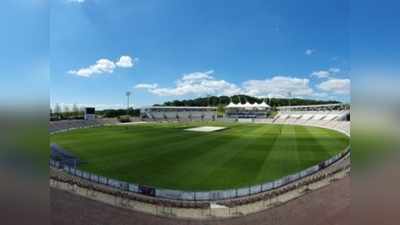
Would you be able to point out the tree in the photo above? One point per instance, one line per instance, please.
(66, 111)
(221, 109)
(75, 110)
(57, 108)
(81, 110)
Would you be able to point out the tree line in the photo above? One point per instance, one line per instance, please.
(74, 112)
(111, 113)
(225, 100)
(66, 112)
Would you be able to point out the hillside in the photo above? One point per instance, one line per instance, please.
(224, 100)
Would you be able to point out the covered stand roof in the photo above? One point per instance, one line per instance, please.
(247, 105)
(263, 105)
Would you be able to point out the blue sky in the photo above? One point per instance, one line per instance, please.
(180, 49)
(24, 44)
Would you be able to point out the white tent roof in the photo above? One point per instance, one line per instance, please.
(232, 105)
(263, 105)
(247, 105)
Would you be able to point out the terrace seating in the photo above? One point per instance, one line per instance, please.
(332, 119)
(184, 115)
(55, 126)
(209, 115)
(157, 115)
(196, 115)
(170, 115)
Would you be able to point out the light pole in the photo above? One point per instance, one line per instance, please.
(128, 94)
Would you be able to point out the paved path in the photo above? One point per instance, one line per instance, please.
(327, 206)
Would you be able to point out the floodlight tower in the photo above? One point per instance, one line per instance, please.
(128, 94)
(269, 99)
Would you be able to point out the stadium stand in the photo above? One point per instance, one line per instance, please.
(183, 113)
(62, 125)
(334, 116)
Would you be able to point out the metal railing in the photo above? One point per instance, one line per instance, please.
(198, 195)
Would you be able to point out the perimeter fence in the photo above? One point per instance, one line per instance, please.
(196, 195)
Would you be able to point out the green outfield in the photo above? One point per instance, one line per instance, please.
(167, 156)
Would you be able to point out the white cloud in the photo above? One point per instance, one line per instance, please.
(336, 86)
(146, 86)
(126, 62)
(279, 86)
(104, 66)
(198, 76)
(309, 51)
(325, 73)
(321, 74)
(204, 83)
(334, 70)
(197, 83)
(101, 66)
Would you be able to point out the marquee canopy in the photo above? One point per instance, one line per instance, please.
(249, 106)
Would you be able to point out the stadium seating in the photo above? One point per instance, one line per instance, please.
(57, 126)
(209, 115)
(170, 115)
(196, 115)
(181, 115)
(335, 119)
(184, 115)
